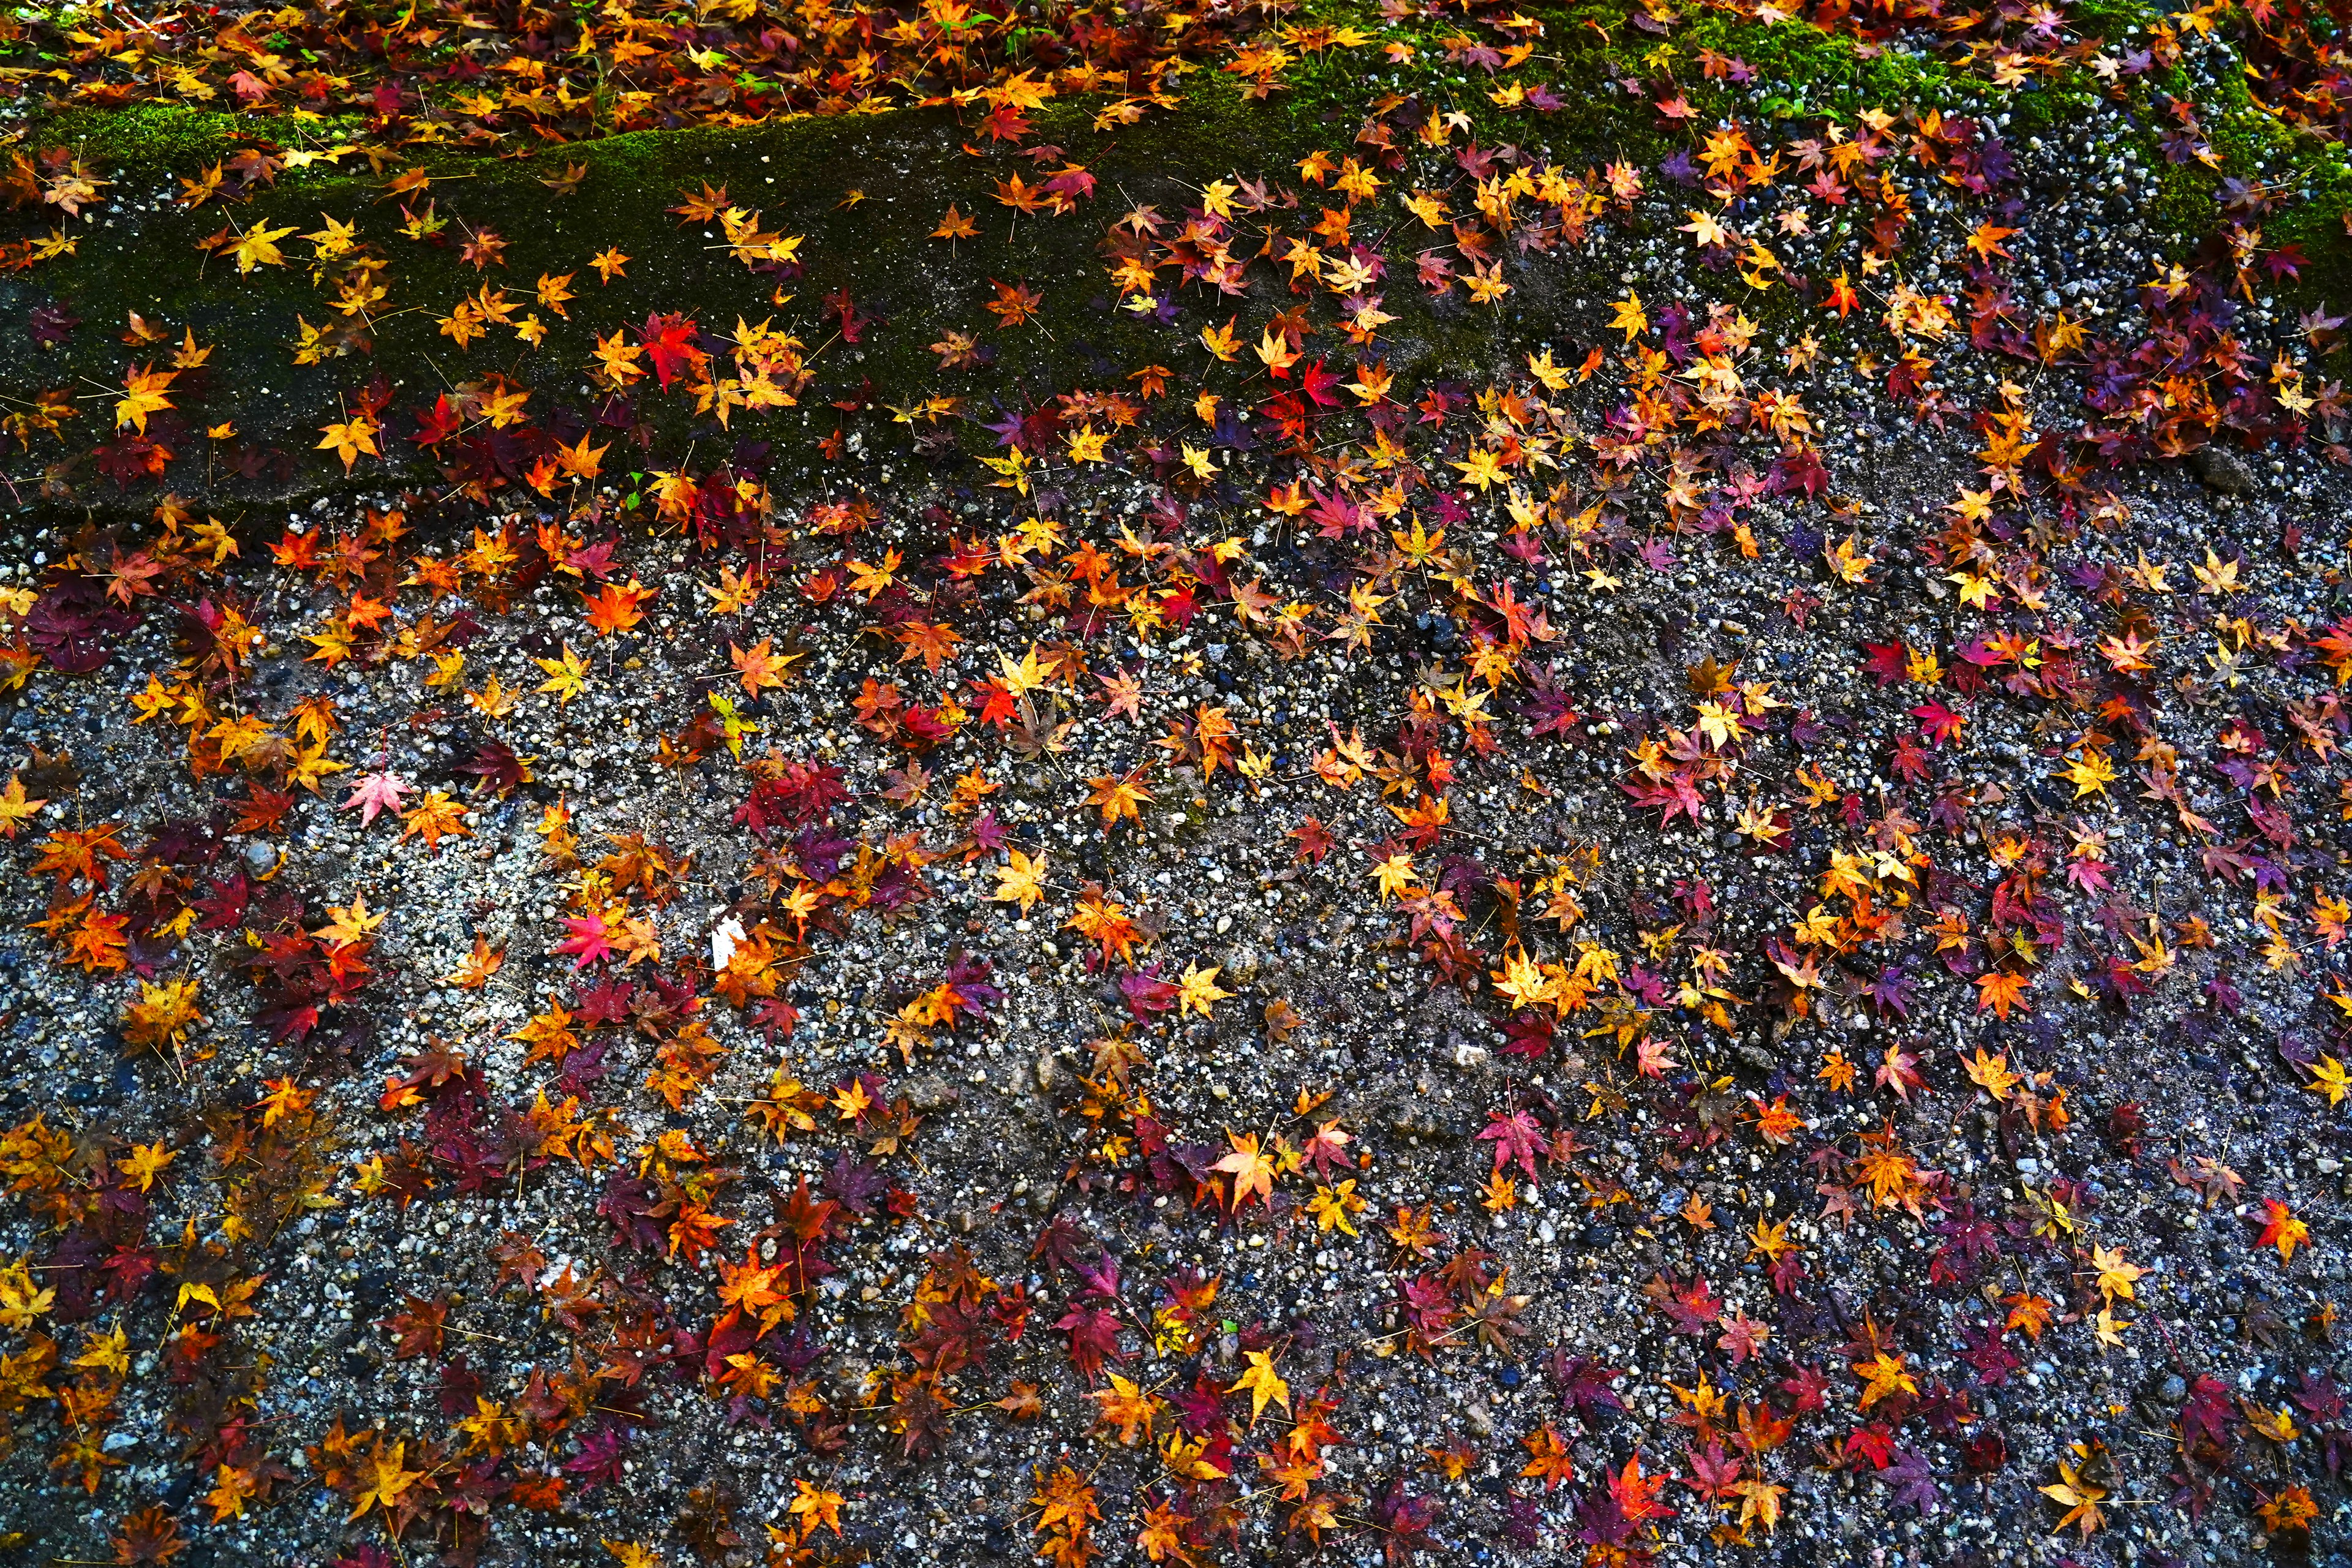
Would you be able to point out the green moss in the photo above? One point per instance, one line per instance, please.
(2110, 19)
(798, 174)
(909, 166)
(150, 139)
(2254, 146)
(2183, 212)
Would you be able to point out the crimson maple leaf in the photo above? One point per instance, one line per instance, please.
(1516, 1136)
(1692, 1307)
(1584, 1385)
(1875, 1442)
(1742, 1338)
(2206, 1415)
(1327, 1150)
(1712, 1472)
(1146, 994)
(1094, 1334)
(1317, 384)
(1405, 1519)
(670, 339)
(1940, 724)
(1805, 1389)
(1991, 1357)
(1315, 840)
(438, 423)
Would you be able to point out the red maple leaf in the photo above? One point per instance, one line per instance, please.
(1712, 1472)
(1147, 995)
(1005, 122)
(1094, 1334)
(670, 339)
(438, 423)
(1317, 384)
(1516, 1136)
(1940, 724)
(587, 939)
(1636, 1493)
(1875, 1442)
(1884, 662)
(1693, 1307)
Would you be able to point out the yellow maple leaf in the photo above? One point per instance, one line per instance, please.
(2079, 1497)
(143, 386)
(1885, 1375)
(146, 1161)
(1630, 318)
(351, 923)
(1395, 875)
(1850, 560)
(1127, 1407)
(257, 246)
(349, 439)
(2216, 576)
(1198, 990)
(2090, 774)
(1482, 469)
(1274, 350)
(1759, 1502)
(1022, 881)
(382, 1481)
(582, 461)
(1991, 1073)
(2117, 1274)
(567, 678)
(15, 808)
(2328, 1074)
(1264, 1385)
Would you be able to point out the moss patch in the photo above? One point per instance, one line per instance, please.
(798, 174)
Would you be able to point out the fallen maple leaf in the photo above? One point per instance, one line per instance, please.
(257, 246)
(479, 966)
(349, 439)
(1022, 881)
(1120, 796)
(1264, 1385)
(2282, 1229)
(375, 793)
(144, 387)
(16, 809)
(1251, 1170)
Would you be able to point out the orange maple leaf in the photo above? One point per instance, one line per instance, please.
(2001, 991)
(616, 608)
(1120, 796)
(1250, 1168)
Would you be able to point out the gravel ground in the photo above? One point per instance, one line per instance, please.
(643, 1109)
